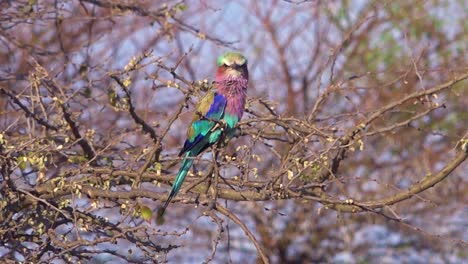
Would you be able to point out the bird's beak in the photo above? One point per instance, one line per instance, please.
(236, 66)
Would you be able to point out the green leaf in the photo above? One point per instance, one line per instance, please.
(182, 7)
(21, 163)
(113, 97)
(146, 213)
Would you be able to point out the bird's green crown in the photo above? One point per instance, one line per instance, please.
(230, 58)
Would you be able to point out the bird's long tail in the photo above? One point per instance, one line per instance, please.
(186, 164)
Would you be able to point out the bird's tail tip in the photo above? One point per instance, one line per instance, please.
(160, 216)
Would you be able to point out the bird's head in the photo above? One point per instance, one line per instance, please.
(232, 65)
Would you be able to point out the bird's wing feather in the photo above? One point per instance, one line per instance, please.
(210, 109)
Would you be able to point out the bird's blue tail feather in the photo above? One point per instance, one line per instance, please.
(186, 164)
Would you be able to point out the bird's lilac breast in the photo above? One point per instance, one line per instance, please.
(235, 91)
(235, 105)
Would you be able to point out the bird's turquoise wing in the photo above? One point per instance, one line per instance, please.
(200, 134)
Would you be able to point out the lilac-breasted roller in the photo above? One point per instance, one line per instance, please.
(216, 115)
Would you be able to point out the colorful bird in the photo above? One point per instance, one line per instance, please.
(216, 115)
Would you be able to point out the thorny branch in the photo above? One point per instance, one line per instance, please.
(27, 112)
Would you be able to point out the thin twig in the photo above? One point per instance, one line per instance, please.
(246, 230)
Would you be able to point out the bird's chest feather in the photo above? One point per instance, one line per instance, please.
(235, 106)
